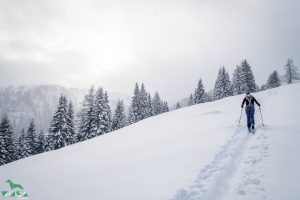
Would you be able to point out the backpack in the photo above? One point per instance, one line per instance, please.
(249, 99)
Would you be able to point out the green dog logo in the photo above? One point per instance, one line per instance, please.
(16, 190)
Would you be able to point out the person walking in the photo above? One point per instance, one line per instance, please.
(250, 110)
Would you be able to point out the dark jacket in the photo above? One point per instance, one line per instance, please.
(248, 100)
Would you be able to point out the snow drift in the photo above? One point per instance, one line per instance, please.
(197, 152)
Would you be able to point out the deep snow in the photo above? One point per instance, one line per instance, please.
(198, 152)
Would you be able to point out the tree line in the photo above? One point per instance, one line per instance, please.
(94, 118)
(242, 81)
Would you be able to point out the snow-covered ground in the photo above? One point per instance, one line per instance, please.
(198, 152)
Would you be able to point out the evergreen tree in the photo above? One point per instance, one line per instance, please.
(70, 123)
(3, 150)
(191, 100)
(199, 96)
(223, 85)
(150, 111)
(237, 81)
(87, 127)
(102, 112)
(165, 107)
(291, 72)
(130, 118)
(22, 146)
(135, 115)
(41, 142)
(7, 148)
(247, 77)
(208, 96)
(31, 139)
(143, 103)
(99, 112)
(107, 114)
(273, 80)
(60, 134)
(119, 119)
(157, 104)
(178, 106)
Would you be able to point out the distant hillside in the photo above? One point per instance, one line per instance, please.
(40, 101)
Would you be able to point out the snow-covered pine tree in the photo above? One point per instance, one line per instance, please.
(223, 85)
(248, 82)
(130, 118)
(107, 114)
(59, 131)
(22, 148)
(157, 104)
(273, 80)
(70, 123)
(291, 71)
(119, 118)
(87, 127)
(209, 96)
(150, 111)
(135, 112)
(165, 107)
(237, 81)
(41, 142)
(99, 111)
(31, 138)
(3, 150)
(143, 103)
(199, 96)
(7, 145)
(191, 100)
(177, 105)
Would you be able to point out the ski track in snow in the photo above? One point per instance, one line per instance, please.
(242, 155)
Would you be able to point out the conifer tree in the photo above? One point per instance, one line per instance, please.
(31, 138)
(143, 103)
(157, 104)
(59, 131)
(130, 118)
(273, 80)
(178, 106)
(119, 118)
(223, 85)
(191, 100)
(135, 115)
(248, 82)
(99, 112)
(107, 114)
(165, 107)
(41, 142)
(87, 128)
(70, 123)
(150, 111)
(199, 96)
(21, 146)
(237, 81)
(7, 148)
(291, 71)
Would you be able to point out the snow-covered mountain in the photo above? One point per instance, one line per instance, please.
(197, 152)
(39, 102)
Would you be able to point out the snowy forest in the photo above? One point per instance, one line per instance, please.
(96, 117)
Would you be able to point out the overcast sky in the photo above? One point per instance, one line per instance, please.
(167, 44)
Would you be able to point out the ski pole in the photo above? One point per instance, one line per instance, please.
(240, 116)
(261, 117)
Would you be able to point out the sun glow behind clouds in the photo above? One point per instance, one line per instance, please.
(118, 42)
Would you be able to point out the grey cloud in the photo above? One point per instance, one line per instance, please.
(116, 43)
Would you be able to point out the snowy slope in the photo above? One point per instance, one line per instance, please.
(197, 152)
